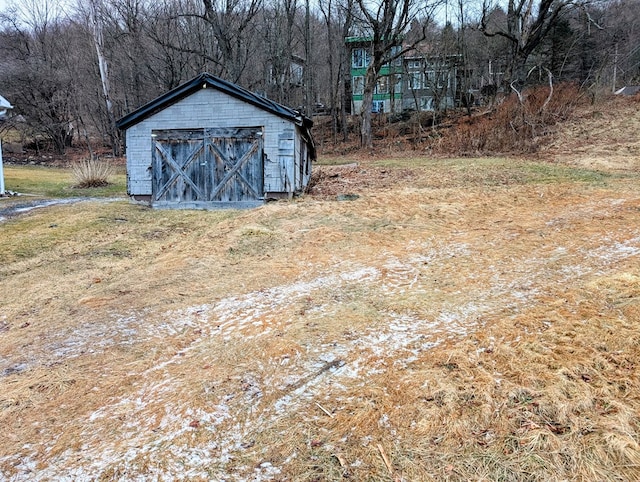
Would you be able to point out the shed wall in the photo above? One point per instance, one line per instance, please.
(211, 108)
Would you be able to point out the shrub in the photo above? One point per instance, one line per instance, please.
(91, 173)
(514, 125)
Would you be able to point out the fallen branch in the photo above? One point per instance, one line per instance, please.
(546, 102)
(324, 410)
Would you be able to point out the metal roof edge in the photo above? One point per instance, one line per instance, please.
(4, 103)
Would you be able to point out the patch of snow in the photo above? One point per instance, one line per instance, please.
(614, 250)
(265, 471)
(26, 207)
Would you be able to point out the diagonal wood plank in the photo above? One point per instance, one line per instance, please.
(229, 165)
(236, 167)
(247, 184)
(178, 171)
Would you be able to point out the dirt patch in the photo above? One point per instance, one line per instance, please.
(329, 182)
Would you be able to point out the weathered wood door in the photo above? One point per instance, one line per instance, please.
(207, 166)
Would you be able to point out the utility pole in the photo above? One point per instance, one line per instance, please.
(615, 69)
(1, 172)
(4, 107)
(308, 87)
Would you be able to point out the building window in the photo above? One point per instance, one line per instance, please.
(297, 74)
(426, 103)
(377, 107)
(382, 85)
(415, 80)
(359, 58)
(414, 65)
(437, 79)
(394, 56)
(443, 79)
(358, 85)
(431, 77)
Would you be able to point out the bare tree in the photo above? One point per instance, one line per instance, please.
(182, 45)
(230, 22)
(387, 22)
(37, 73)
(281, 50)
(623, 40)
(96, 24)
(526, 24)
(338, 18)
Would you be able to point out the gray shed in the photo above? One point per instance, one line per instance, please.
(209, 143)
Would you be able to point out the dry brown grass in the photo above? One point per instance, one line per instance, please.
(459, 320)
(524, 125)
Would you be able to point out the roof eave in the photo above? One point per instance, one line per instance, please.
(203, 81)
(154, 106)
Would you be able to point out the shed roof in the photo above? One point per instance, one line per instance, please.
(5, 104)
(205, 80)
(628, 90)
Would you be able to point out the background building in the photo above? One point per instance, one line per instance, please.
(387, 96)
(416, 80)
(430, 82)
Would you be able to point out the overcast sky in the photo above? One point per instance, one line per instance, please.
(33, 5)
(28, 6)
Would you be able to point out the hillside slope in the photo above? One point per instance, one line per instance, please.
(603, 136)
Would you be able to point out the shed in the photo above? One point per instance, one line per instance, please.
(209, 143)
(5, 106)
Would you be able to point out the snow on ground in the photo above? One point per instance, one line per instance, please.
(399, 338)
(27, 206)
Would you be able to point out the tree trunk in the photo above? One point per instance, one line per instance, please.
(308, 84)
(344, 73)
(345, 98)
(104, 78)
(517, 69)
(366, 135)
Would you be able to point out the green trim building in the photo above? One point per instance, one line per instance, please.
(387, 96)
(412, 81)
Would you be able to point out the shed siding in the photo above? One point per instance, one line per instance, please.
(211, 108)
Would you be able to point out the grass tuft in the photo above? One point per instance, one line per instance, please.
(90, 173)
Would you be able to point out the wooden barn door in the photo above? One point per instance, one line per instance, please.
(207, 166)
(179, 166)
(238, 171)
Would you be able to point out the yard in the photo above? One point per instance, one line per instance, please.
(447, 319)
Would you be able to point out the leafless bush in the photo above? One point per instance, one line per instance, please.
(91, 173)
(520, 123)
